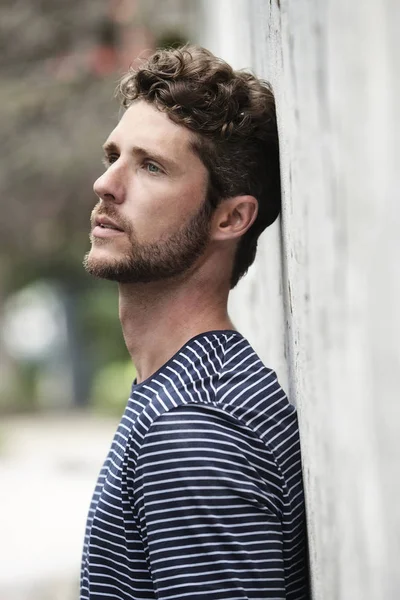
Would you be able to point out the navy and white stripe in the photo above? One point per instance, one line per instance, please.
(201, 494)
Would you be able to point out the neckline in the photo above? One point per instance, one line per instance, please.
(137, 386)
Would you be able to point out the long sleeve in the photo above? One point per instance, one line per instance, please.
(207, 504)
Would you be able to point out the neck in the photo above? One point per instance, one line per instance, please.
(159, 318)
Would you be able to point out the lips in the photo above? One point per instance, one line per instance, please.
(106, 223)
(104, 227)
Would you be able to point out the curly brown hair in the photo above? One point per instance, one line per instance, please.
(232, 114)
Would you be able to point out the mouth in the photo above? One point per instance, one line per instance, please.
(105, 227)
(106, 223)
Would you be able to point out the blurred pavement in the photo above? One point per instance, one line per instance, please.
(48, 470)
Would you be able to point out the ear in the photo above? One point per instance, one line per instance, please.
(233, 217)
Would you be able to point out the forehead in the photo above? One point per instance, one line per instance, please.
(144, 125)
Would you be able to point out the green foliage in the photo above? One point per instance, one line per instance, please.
(18, 389)
(111, 387)
(99, 322)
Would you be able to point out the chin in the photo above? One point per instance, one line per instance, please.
(101, 263)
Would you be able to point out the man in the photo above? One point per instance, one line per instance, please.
(201, 494)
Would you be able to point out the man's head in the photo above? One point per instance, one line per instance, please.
(218, 128)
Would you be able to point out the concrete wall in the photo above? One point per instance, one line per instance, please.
(321, 305)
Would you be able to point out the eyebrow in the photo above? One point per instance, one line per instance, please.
(111, 147)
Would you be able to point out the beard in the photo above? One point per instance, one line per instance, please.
(150, 262)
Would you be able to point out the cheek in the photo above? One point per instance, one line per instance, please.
(159, 209)
(158, 206)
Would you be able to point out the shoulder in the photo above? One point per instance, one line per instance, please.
(246, 385)
(190, 376)
(194, 440)
(251, 392)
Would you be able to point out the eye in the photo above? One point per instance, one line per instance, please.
(152, 168)
(109, 159)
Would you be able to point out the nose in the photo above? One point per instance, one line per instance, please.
(108, 187)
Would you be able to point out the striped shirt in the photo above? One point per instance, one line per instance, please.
(201, 494)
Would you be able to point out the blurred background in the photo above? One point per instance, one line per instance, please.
(65, 374)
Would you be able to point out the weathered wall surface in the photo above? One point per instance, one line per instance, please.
(321, 305)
